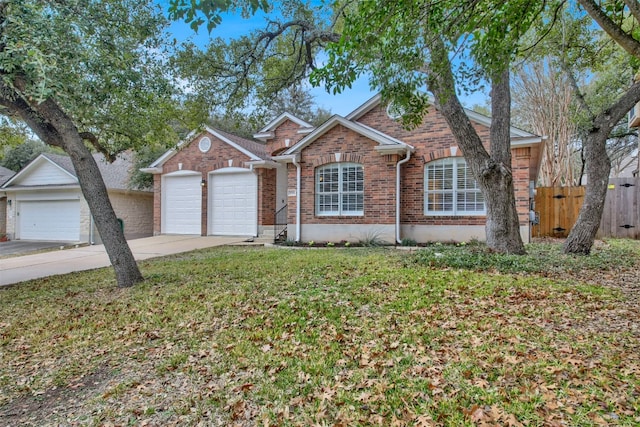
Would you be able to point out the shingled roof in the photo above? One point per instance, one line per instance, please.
(257, 148)
(5, 174)
(115, 175)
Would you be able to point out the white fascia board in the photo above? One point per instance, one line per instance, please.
(484, 120)
(526, 142)
(264, 136)
(281, 118)
(172, 151)
(153, 171)
(20, 188)
(263, 164)
(290, 158)
(233, 144)
(368, 105)
(394, 141)
(305, 131)
(394, 149)
(336, 120)
(32, 165)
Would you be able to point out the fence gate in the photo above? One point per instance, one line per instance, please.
(558, 208)
(621, 216)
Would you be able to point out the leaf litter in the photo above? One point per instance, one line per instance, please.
(332, 337)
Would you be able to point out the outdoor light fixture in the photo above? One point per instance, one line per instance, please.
(203, 183)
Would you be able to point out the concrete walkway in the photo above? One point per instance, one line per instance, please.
(27, 267)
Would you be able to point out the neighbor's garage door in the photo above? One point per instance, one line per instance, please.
(233, 204)
(49, 220)
(181, 213)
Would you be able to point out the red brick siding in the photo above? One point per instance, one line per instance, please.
(287, 130)
(266, 196)
(379, 187)
(193, 159)
(433, 140)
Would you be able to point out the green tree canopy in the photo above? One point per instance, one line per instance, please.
(89, 71)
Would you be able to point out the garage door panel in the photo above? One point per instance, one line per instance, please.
(233, 204)
(56, 220)
(182, 211)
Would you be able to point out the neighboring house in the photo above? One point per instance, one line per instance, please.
(5, 174)
(45, 201)
(352, 178)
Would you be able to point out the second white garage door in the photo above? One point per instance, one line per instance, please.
(56, 220)
(233, 203)
(182, 204)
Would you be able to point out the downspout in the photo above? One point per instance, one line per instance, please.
(298, 179)
(91, 242)
(400, 163)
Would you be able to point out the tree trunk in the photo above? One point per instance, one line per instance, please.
(95, 192)
(55, 128)
(598, 167)
(491, 171)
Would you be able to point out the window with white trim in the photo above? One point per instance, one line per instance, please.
(451, 189)
(340, 189)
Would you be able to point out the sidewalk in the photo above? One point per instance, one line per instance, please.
(27, 267)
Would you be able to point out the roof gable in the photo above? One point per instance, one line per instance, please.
(252, 149)
(53, 169)
(383, 140)
(267, 132)
(42, 171)
(518, 136)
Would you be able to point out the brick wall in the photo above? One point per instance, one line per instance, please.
(379, 177)
(286, 130)
(220, 155)
(266, 196)
(135, 209)
(433, 140)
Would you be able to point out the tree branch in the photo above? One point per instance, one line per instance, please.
(16, 105)
(614, 31)
(89, 136)
(634, 8)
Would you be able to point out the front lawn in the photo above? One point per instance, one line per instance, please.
(352, 336)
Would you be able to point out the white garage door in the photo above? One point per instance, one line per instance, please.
(181, 213)
(57, 220)
(233, 202)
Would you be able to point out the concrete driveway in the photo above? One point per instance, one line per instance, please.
(34, 266)
(20, 247)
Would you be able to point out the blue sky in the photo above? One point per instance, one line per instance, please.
(233, 25)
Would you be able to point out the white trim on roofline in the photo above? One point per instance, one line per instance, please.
(473, 116)
(336, 120)
(156, 165)
(280, 119)
(33, 164)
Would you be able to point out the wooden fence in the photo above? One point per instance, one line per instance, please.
(558, 208)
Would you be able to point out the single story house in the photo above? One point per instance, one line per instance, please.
(44, 201)
(352, 178)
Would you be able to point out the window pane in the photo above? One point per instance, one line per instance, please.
(340, 189)
(450, 188)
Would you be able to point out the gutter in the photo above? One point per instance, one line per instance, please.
(298, 180)
(400, 163)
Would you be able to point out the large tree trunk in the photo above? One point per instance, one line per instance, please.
(598, 167)
(55, 128)
(95, 192)
(491, 171)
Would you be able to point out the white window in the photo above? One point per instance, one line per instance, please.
(340, 189)
(450, 189)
